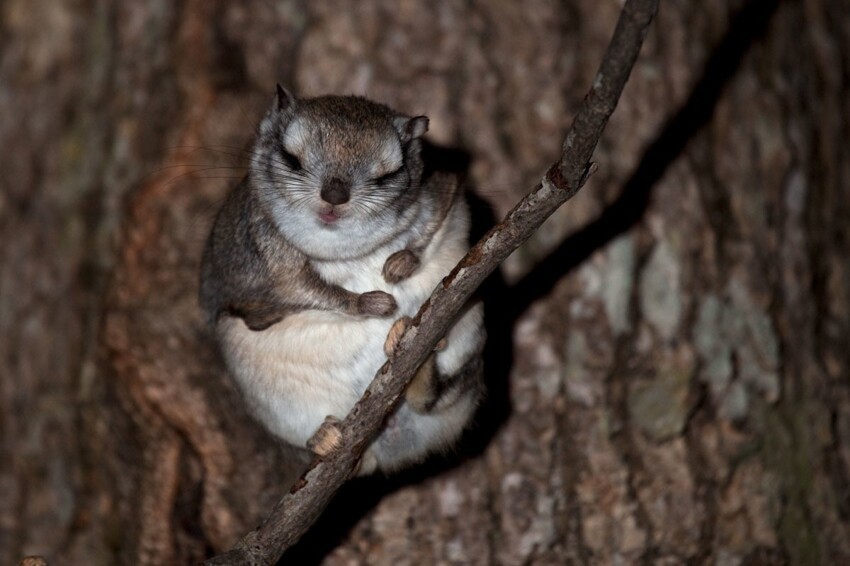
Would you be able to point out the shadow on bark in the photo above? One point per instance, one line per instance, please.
(745, 29)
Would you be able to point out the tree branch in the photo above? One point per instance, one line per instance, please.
(298, 510)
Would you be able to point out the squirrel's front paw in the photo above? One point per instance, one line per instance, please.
(327, 438)
(400, 265)
(376, 303)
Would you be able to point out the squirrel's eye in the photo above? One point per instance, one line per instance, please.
(386, 178)
(290, 160)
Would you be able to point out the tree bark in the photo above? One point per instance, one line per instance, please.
(667, 363)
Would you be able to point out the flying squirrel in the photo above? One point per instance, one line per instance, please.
(314, 265)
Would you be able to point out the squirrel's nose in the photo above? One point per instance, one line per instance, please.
(335, 191)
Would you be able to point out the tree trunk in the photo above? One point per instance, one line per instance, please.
(667, 363)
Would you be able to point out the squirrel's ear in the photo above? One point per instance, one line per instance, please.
(411, 128)
(280, 112)
(283, 99)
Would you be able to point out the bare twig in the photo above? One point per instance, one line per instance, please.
(298, 510)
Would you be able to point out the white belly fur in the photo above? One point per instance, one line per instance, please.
(318, 363)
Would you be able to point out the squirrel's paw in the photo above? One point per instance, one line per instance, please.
(376, 303)
(400, 266)
(327, 438)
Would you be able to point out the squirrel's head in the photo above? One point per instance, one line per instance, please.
(340, 175)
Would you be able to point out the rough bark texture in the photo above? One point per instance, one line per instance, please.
(671, 385)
